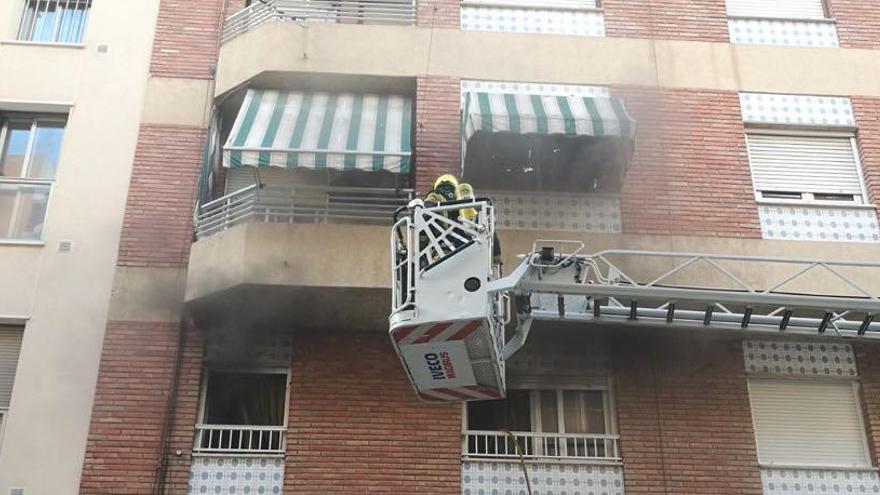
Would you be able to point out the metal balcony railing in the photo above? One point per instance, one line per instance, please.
(300, 204)
(342, 11)
(239, 439)
(479, 444)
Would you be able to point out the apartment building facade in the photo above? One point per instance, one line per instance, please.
(222, 256)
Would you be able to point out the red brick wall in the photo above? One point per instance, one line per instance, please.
(438, 138)
(867, 113)
(187, 38)
(357, 427)
(683, 415)
(696, 20)
(868, 359)
(157, 229)
(123, 448)
(690, 174)
(438, 13)
(858, 23)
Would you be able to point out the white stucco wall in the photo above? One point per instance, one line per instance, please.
(65, 296)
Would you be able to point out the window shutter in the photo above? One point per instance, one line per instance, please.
(804, 164)
(807, 423)
(10, 347)
(537, 4)
(785, 9)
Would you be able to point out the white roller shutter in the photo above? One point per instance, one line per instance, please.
(804, 164)
(10, 347)
(785, 9)
(807, 423)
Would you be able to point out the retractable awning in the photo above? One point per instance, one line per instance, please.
(546, 115)
(321, 131)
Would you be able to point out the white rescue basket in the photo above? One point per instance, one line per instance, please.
(446, 328)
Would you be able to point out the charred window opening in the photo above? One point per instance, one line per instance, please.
(253, 399)
(558, 163)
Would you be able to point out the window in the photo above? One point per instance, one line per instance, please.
(10, 348)
(781, 9)
(805, 167)
(545, 423)
(29, 151)
(243, 412)
(808, 423)
(54, 21)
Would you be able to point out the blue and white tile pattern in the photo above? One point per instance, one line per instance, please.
(575, 213)
(786, 32)
(506, 478)
(818, 223)
(236, 475)
(806, 110)
(532, 20)
(818, 481)
(822, 359)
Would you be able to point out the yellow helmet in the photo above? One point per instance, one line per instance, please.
(446, 178)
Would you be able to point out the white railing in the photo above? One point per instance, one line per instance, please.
(342, 11)
(480, 444)
(239, 439)
(300, 204)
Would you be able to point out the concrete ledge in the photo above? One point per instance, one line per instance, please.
(394, 51)
(176, 101)
(147, 294)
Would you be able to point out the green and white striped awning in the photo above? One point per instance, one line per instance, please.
(321, 131)
(545, 115)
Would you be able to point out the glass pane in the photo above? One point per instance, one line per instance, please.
(245, 399)
(22, 211)
(12, 159)
(573, 411)
(511, 413)
(47, 147)
(44, 26)
(549, 412)
(584, 411)
(73, 20)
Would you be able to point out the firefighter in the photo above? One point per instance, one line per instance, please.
(447, 188)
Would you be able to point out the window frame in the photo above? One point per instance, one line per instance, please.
(807, 198)
(855, 387)
(25, 34)
(608, 406)
(828, 18)
(254, 370)
(22, 178)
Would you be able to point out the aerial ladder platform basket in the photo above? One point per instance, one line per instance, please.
(450, 306)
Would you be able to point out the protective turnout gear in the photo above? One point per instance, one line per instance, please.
(447, 188)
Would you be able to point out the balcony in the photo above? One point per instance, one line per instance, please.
(569, 463)
(402, 13)
(300, 204)
(540, 446)
(238, 439)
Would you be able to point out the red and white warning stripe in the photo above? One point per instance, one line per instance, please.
(473, 392)
(439, 332)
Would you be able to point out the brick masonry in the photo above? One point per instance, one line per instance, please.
(867, 113)
(694, 20)
(187, 38)
(357, 427)
(157, 228)
(123, 448)
(690, 158)
(438, 134)
(683, 415)
(858, 24)
(438, 14)
(868, 359)
(690, 163)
